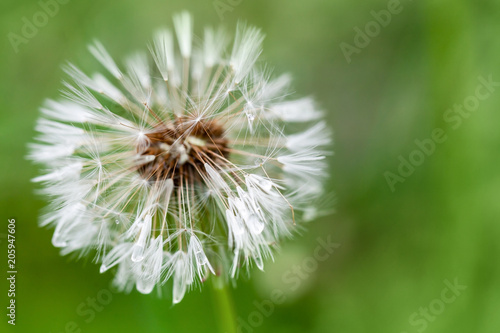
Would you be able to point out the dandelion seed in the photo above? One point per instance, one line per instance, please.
(181, 171)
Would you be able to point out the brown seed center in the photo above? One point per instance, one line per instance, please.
(179, 150)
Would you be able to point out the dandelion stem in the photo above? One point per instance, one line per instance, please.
(224, 307)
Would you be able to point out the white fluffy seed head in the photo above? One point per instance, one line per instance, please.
(183, 170)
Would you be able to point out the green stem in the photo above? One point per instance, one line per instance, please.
(224, 307)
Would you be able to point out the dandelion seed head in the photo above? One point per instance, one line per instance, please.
(173, 170)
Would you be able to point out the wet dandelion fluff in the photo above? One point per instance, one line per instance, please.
(191, 163)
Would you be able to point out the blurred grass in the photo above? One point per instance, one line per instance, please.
(396, 248)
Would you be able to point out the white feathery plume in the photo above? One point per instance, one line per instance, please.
(183, 23)
(308, 162)
(300, 110)
(138, 80)
(162, 51)
(214, 44)
(99, 52)
(246, 49)
(316, 136)
(65, 111)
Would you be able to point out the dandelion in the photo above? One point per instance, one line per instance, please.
(184, 166)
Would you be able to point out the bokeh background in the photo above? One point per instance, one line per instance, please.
(396, 247)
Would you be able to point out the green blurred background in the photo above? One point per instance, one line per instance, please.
(396, 248)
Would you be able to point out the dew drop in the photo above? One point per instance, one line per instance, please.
(255, 225)
(137, 253)
(145, 286)
(258, 261)
(265, 184)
